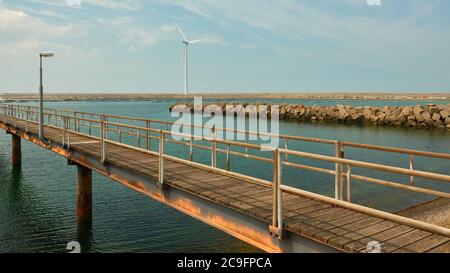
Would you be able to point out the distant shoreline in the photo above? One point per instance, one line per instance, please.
(150, 96)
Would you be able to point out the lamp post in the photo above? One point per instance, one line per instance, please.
(41, 95)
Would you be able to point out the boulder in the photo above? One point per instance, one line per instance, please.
(401, 119)
(429, 122)
(426, 115)
(381, 116)
(447, 121)
(411, 123)
(417, 110)
(420, 118)
(436, 117)
(357, 117)
(437, 123)
(445, 113)
(433, 110)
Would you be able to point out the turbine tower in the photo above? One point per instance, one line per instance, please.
(184, 60)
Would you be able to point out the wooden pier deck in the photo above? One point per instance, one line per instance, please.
(321, 225)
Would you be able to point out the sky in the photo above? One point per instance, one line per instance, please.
(254, 46)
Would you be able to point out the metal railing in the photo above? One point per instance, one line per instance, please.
(71, 123)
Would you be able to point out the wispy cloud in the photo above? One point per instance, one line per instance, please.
(109, 4)
(247, 45)
(20, 22)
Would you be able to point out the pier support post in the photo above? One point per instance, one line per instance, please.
(16, 150)
(84, 195)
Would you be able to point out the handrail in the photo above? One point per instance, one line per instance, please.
(22, 113)
(373, 166)
(281, 136)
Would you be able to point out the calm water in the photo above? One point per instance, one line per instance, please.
(37, 201)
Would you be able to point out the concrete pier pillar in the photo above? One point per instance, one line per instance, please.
(84, 195)
(16, 150)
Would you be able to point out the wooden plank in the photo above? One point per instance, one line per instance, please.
(385, 235)
(444, 248)
(333, 236)
(424, 245)
(350, 241)
(403, 240)
(309, 226)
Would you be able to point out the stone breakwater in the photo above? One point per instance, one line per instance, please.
(419, 116)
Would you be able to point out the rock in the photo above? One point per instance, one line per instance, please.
(436, 117)
(417, 110)
(411, 123)
(445, 113)
(433, 110)
(357, 117)
(401, 119)
(429, 122)
(429, 116)
(447, 121)
(368, 113)
(437, 123)
(426, 115)
(381, 116)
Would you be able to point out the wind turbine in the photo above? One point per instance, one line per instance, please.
(184, 60)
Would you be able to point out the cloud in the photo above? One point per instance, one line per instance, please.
(20, 22)
(116, 4)
(346, 31)
(108, 4)
(135, 37)
(247, 46)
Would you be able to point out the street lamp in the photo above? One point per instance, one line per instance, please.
(41, 95)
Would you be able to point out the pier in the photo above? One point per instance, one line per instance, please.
(267, 214)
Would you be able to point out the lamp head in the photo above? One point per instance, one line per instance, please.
(47, 54)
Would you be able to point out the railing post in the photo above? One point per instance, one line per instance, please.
(64, 132)
(247, 137)
(286, 156)
(411, 167)
(341, 177)
(75, 121)
(103, 140)
(138, 135)
(68, 134)
(26, 121)
(337, 172)
(277, 216)
(191, 149)
(349, 181)
(214, 148)
(105, 119)
(161, 158)
(147, 134)
(228, 157)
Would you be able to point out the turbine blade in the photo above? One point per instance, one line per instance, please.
(181, 32)
(199, 40)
